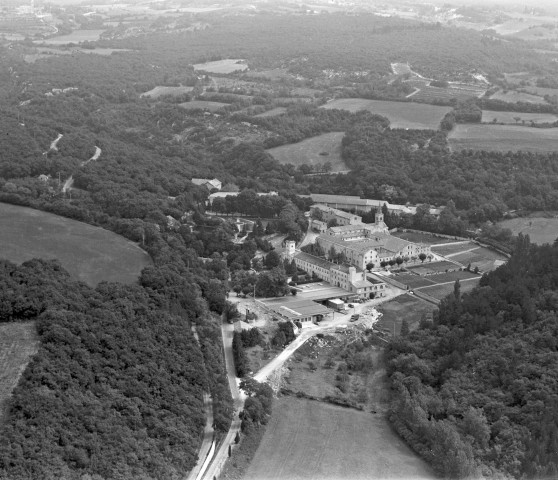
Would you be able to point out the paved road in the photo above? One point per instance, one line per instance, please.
(227, 331)
(207, 437)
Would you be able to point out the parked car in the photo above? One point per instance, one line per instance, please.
(351, 305)
(355, 317)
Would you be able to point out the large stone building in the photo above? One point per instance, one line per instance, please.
(349, 278)
(368, 243)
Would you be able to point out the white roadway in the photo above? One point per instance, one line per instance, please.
(263, 374)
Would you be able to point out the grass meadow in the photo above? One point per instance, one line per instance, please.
(540, 229)
(90, 254)
(400, 114)
(306, 439)
(313, 151)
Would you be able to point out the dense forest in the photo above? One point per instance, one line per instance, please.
(474, 391)
(116, 387)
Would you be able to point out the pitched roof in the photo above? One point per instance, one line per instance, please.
(319, 262)
(335, 211)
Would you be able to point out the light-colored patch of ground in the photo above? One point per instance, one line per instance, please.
(228, 65)
(313, 440)
(18, 342)
(503, 138)
(315, 151)
(540, 229)
(400, 114)
(161, 90)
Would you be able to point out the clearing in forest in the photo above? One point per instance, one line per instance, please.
(540, 229)
(90, 254)
(503, 138)
(418, 116)
(306, 439)
(18, 342)
(228, 65)
(315, 151)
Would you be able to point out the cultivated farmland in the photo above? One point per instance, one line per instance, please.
(310, 440)
(407, 307)
(401, 114)
(90, 254)
(540, 229)
(203, 105)
(313, 151)
(18, 342)
(503, 138)
(420, 237)
(228, 65)
(488, 116)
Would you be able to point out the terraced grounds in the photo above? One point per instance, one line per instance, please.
(428, 268)
(418, 282)
(442, 291)
(400, 114)
(18, 342)
(90, 254)
(452, 248)
(306, 439)
(315, 151)
(503, 138)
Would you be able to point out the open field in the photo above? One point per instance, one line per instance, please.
(313, 151)
(418, 282)
(513, 96)
(405, 307)
(503, 138)
(90, 254)
(541, 91)
(417, 237)
(400, 114)
(482, 257)
(273, 112)
(313, 440)
(451, 249)
(488, 116)
(540, 229)
(428, 268)
(442, 291)
(227, 65)
(462, 92)
(18, 342)
(203, 105)
(76, 36)
(161, 90)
